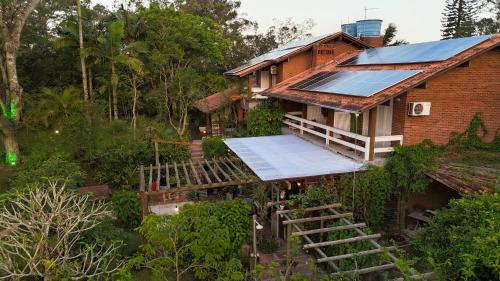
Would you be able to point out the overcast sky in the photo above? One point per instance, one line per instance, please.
(417, 20)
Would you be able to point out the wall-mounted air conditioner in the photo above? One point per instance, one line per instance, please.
(419, 108)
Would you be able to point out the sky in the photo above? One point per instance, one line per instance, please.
(417, 21)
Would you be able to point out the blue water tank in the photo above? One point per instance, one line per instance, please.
(369, 28)
(350, 28)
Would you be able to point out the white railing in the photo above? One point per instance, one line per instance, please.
(331, 134)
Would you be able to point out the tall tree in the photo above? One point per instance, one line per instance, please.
(183, 50)
(13, 17)
(459, 17)
(490, 23)
(110, 50)
(81, 45)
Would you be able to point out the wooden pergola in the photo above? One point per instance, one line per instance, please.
(186, 176)
(297, 226)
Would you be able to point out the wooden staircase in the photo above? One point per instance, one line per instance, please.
(196, 150)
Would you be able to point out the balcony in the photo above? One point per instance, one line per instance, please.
(351, 144)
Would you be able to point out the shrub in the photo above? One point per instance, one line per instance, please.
(58, 167)
(214, 147)
(462, 242)
(268, 246)
(126, 208)
(265, 120)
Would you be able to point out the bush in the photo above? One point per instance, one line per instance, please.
(268, 246)
(214, 147)
(126, 208)
(462, 242)
(58, 167)
(265, 120)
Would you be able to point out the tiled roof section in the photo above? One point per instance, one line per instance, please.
(218, 100)
(468, 177)
(283, 52)
(360, 104)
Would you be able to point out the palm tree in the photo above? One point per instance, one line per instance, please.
(56, 107)
(110, 49)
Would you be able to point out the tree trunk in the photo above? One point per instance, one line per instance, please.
(11, 146)
(14, 87)
(134, 113)
(91, 86)
(82, 59)
(114, 88)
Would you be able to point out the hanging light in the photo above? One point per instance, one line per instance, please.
(258, 226)
(299, 183)
(282, 194)
(176, 209)
(56, 132)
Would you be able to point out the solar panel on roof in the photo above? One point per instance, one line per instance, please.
(415, 53)
(363, 83)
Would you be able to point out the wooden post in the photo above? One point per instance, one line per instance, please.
(330, 121)
(304, 111)
(150, 177)
(144, 203)
(157, 154)
(288, 234)
(322, 225)
(142, 182)
(208, 118)
(372, 129)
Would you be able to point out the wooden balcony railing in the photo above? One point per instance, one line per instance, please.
(331, 134)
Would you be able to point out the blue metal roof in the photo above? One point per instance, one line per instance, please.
(415, 53)
(363, 83)
(288, 157)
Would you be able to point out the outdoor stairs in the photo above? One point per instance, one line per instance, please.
(197, 156)
(196, 151)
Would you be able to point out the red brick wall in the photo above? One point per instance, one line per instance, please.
(339, 48)
(296, 64)
(455, 96)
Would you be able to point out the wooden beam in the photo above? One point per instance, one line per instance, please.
(330, 229)
(198, 181)
(150, 177)
(201, 187)
(167, 173)
(342, 241)
(336, 205)
(329, 217)
(188, 180)
(365, 270)
(355, 255)
(158, 174)
(230, 170)
(236, 167)
(372, 130)
(204, 172)
(213, 171)
(177, 175)
(318, 250)
(142, 182)
(157, 154)
(222, 171)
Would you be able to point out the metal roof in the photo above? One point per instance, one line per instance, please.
(289, 157)
(280, 51)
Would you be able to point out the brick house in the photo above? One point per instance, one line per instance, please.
(269, 69)
(363, 102)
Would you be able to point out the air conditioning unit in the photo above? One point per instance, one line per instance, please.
(274, 70)
(419, 108)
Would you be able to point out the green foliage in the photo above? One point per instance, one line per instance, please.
(372, 189)
(316, 195)
(214, 147)
(58, 167)
(204, 238)
(265, 120)
(462, 241)
(267, 246)
(126, 208)
(407, 166)
(473, 136)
